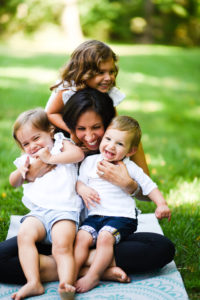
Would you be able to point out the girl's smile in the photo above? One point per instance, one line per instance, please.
(105, 79)
(33, 139)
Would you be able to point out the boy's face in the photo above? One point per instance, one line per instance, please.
(105, 80)
(115, 144)
(33, 139)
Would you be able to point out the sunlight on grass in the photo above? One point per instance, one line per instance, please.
(185, 192)
(194, 113)
(167, 82)
(40, 75)
(145, 106)
(143, 49)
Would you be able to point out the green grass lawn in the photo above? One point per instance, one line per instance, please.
(162, 85)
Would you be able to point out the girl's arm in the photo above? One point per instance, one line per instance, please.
(70, 154)
(18, 176)
(54, 112)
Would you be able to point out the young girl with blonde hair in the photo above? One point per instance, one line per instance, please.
(54, 205)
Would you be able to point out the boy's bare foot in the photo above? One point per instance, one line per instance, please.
(115, 274)
(86, 283)
(66, 291)
(29, 289)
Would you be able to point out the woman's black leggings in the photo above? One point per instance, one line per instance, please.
(140, 252)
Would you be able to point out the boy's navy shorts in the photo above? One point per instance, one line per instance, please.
(119, 227)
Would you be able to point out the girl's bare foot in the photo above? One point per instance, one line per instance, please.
(66, 291)
(115, 274)
(86, 283)
(29, 289)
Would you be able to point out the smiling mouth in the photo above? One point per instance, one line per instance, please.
(92, 144)
(108, 154)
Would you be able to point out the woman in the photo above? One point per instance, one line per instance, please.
(87, 114)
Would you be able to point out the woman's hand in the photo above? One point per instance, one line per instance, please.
(38, 169)
(117, 174)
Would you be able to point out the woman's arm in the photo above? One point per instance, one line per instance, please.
(54, 112)
(140, 160)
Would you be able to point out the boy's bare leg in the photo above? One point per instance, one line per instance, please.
(31, 231)
(81, 249)
(103, 257)
(63, 235)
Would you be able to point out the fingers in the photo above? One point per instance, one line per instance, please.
(91, 199)
(163, 214)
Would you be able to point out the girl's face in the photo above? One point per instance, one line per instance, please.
(33, 139)
(105, 80)
(90, 129)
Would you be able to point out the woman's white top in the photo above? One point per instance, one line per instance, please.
(55, 189)
(113, 200)
(114, 94)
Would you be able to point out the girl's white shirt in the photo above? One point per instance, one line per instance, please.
(56, 189)
(114, 94)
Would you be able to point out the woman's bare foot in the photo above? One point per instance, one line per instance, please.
(86, 283)
(66, 291)
(29, 289)
(115, 274)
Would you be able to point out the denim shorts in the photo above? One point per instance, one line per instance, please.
(119, 227)
(49, 217)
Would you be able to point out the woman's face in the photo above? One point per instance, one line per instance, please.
(90, 129)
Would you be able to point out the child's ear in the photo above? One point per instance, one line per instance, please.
(52, 131)
(132, 151)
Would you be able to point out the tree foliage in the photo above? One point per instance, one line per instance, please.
(174, 22)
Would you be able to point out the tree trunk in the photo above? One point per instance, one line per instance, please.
(71, 24)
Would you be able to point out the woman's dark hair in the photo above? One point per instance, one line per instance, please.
(88, 99)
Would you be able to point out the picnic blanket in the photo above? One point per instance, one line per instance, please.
(162, 284)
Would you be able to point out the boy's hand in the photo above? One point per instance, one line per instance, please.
(163, 211)
(24, 169)
(90, 196)
(44, 154)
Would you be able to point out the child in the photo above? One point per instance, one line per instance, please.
(115, 217)
(52, 199)
(92, 64)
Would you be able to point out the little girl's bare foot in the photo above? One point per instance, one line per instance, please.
(66, 291)
(29, 289)
(116, 274)
(86, 283)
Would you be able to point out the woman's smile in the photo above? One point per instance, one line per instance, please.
(90, 129)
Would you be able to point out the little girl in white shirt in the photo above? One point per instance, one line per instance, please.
(52, 199)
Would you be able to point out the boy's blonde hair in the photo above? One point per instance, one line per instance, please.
(36, 117)
(126, 123)
(84, 63)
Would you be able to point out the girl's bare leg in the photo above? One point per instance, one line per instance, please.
(63, 235)
(31, 231)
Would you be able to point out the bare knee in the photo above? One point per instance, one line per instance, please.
(105, 239)
(61, 249)
(83, 239)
